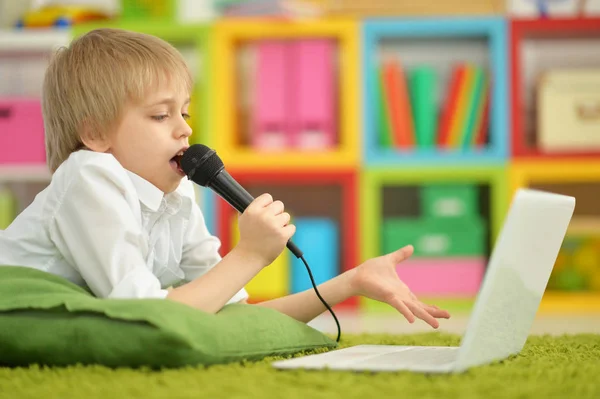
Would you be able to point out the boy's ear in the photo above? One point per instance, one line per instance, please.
(93, 139)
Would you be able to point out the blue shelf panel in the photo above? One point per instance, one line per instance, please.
(390, 157)
(494, 30)
(207, 205)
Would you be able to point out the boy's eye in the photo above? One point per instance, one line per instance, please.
(185, 116)
(159, 117)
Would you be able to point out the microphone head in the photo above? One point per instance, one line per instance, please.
(201, 164)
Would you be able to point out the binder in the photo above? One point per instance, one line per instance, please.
(319, 238)
(313, 113)
(454, 277)
(460, 118)
(384, 129)
(21, 131)
(449, 111)
(400, 107)
(423, 81)
(271, 129)
(482, 124)
(477, 98)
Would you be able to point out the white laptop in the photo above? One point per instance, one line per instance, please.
(510, 294)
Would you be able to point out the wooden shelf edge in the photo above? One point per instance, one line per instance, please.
(24, 173)
(15, 40)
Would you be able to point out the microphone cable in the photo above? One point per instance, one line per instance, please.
(312, 280)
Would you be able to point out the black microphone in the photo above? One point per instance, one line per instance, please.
(203, 166)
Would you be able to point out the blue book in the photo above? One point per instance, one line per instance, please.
(318, 238)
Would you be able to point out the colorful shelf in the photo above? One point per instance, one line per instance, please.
(374, 179)
(345, 211)
(228, 35)
(357, 166)
(536, 29)
(525, 172)
(493, 30)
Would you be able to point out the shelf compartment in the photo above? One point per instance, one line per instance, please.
(480, 41)
(230, 37)
(329, 194)
(537, 45)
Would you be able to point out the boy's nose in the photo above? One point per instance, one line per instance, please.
(185, 130)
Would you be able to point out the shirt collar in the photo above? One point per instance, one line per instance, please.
(147, 192)
(152, 197)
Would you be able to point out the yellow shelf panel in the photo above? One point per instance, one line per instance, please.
(570, 302)
(247, 158)
(523, 173)
(552, 303)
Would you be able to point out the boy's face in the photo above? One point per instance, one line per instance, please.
(151, 135)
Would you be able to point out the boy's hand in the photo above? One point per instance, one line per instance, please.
(264, 229)
(377, 279)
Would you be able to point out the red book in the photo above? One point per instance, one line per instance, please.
(450, 105)
(483, 128)
(399, 106)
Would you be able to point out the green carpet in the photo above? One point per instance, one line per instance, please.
(557, 367)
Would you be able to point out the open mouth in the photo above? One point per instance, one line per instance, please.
(176, 163)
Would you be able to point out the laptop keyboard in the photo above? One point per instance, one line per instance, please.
(414, 357)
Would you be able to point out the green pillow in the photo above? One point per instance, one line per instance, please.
(45, 319)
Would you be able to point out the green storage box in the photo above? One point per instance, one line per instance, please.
(8, 207)
(449, 201)
(441, 237)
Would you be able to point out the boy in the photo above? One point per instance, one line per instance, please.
(118, 215)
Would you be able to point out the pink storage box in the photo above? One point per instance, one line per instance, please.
(21, 131)
(457, 277)
(314, 88)
(271, 128)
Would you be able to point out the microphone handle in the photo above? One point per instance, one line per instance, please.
(232, 192)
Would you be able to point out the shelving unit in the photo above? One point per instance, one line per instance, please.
(32, 40)
(443, 39)
(537, 45)
(23, 58)
(349, 182)
(331, 194)
(376, 179)
(563, 176)
(229, 35)
(24, 173)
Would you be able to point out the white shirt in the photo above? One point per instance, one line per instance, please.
(101, 226)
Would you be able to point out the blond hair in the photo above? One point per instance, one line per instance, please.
(88, 83)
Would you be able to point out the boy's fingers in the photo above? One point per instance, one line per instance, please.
(434, 310)
(276, 207)
(261, 201)
(401, 254)
(437, 312)
(422, 314)
(283, 218)
(402, 308)
(289, 230)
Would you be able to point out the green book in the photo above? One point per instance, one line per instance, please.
(475, 98)
(423, 81)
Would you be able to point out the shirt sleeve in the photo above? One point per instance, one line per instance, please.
(96, 229)
(201, 250)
